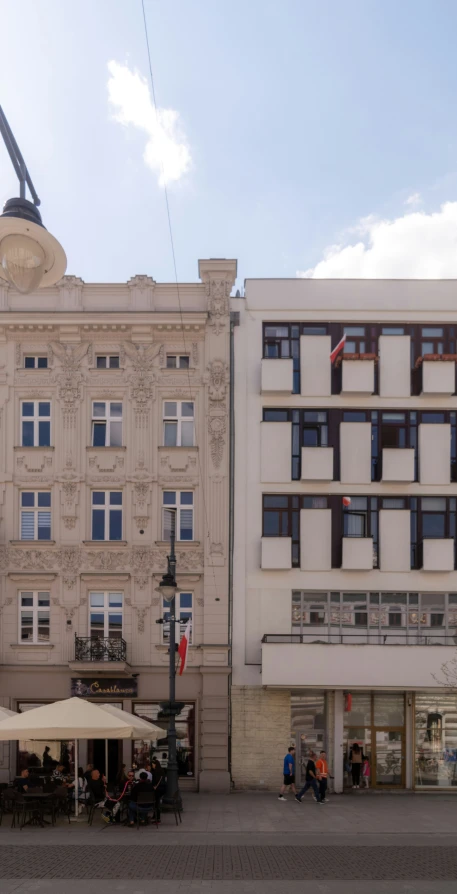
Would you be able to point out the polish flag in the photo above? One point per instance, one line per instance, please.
(338, 349)
(183, 648)
(347, 501)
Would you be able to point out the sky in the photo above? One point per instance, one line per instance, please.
(304, 138)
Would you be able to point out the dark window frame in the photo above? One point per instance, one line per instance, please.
(291, 514)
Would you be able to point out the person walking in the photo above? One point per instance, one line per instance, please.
(356, 757)
(310, 779)
(288, 774)
(366, 773)
(323, 775)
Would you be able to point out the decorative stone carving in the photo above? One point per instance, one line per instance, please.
(141, 612)
(107, 560)
(218, 293)
(69, 492)
(33, 463)
(32, 559)
(141, 522)
(195, 354)
(141, 564)
(71, 292)
(141, 291)
(69, 560)
(18, 354)
(141, 379)
(218, 379)
(106, 462)
(217, 427)
(69, 378)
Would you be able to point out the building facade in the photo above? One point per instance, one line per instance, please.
(345, 580)
(114, 426)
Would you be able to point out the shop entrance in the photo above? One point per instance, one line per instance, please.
(376, 722)
(97, 750)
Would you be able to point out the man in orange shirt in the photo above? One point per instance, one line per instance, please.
(322, 776)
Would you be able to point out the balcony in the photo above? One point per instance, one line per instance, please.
(438, 555)
(277, 376)
(109, 654)
(358, 376)
(276, 553)
(357, 553)
(438, 377)
(317, 464)
(398, 464)
(407, 661)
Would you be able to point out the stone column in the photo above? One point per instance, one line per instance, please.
(338, 741)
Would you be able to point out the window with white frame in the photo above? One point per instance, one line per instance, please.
(178, 514)
(106, 423)
(108, 361)
(35, 515)
(178, 423)
(35, 362)
(177, 361)
(105, 615)
(35, 423)
(34, 620)
(183, 614)
(106, 515)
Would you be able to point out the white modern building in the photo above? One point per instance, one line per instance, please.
(345, 580)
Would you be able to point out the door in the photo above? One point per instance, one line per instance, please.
(311, 740)
(389, 759)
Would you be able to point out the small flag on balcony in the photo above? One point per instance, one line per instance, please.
(338, 349)
(183, 648)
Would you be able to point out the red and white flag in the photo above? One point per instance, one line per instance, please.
(183, 648)
(338, 349)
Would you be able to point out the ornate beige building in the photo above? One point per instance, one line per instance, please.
(114, 421)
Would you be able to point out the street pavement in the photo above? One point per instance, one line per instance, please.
(247, 842)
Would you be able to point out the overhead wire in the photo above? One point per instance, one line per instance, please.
(173, 253)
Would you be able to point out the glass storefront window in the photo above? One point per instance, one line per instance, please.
(308, 727)
(436, 739)
(360, 713)
(145, 749)
(389, 709)
(43, 756)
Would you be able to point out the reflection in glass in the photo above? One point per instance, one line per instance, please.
(436, 739)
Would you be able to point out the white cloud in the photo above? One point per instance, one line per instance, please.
(167, 151)
(414, 200)
(416, 245)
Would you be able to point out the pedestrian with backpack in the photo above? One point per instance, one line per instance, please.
(288, 774)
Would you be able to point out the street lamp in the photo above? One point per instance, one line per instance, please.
(30, 257)
(167, 588)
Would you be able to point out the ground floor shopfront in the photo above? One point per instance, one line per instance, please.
(202, 725)
(409, 738)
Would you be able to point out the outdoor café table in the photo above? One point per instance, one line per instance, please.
(36, 818)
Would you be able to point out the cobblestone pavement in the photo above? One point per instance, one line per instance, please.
(167, 862)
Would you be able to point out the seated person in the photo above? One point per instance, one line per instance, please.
(146, 769)
(143, 785)
(97, 788)
(22, 783)
(89, 769)
(113, 805)
(58, 774)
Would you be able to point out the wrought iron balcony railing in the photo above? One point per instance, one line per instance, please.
(95, 648)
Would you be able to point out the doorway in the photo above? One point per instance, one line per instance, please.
(388, 758)
(96, 752)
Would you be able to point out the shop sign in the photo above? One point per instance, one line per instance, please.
(106, 688)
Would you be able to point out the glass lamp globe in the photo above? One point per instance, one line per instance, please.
(22, 260)
(30, 257)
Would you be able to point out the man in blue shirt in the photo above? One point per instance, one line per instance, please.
(289, 774)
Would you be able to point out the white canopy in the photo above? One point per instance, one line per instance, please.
(73, 718)
(5, 712)
(141, 729)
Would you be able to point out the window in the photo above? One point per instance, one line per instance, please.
(355, 340)
(106, 515)
(434, 516)
(178, 423)
(35, 515)
(315, 428)
(432, 340)
(310, 428)
(34, 609)
(178, 514)
(183, 613)
(177, 361)
(36, 423)
(281, 518)
(360, 519)
(105, 615)
(393, 430)
(393, 330)
(143, 750)
(106, 423)
(32, 362)
(105, 361)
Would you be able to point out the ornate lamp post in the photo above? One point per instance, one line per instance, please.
(167, 588)
(30, 257)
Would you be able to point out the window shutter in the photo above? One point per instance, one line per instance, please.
(27, 525)
(187, 517)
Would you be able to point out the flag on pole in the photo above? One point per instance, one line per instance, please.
(338, 349)
(183, 648)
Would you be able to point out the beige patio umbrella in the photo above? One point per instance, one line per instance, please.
(5, 712)
(141, 729)
(74, 718)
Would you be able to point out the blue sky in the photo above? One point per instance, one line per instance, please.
(313, 137)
